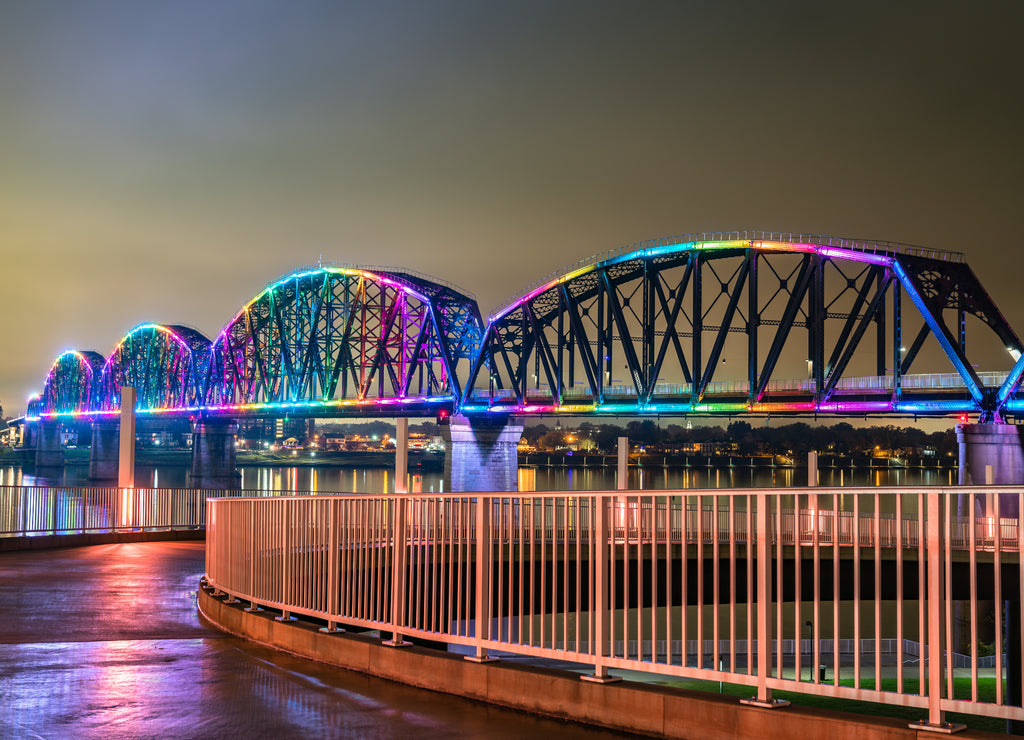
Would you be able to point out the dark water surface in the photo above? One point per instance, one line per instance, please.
(105, 642)
(380, 480)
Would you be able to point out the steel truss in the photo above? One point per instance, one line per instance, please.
(344, 339)
(651, 330)
(165, 364)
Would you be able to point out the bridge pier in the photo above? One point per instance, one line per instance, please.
(49, 453)
(213, 454)
(995, 448)
(991, 454)
(103, 453)
(481, 454)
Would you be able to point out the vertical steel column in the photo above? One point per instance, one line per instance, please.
(697, 320)
(816, 325)
(880, 363)
(897, 341)
(648, 321)
(764, 609)
(753, 322)
(601, 604)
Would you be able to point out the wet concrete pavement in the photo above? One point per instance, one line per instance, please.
(105, 642)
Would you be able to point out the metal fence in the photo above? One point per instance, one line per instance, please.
(683, 583)
(27, 511)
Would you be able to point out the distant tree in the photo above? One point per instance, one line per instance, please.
(552, 440)
(607, 437)
(741, 434)
(534, 433)
(644, 432)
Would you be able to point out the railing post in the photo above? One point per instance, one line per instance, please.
(764, 610)
(399, 506)
(935, 607)
(484, 565)
(253, 606)
(333, 554)
(601, 602)
(286, 615)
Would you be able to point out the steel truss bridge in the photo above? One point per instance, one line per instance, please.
(729, 323)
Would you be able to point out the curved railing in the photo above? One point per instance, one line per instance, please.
(678, 583)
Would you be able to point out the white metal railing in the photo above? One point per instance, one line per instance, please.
(44, 510)
(681, 583)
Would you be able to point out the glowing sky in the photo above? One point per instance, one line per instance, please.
(165, 161)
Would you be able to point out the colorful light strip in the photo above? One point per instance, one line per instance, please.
(732, 408)
(710, 246)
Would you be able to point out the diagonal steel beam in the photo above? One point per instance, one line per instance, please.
(862, 325)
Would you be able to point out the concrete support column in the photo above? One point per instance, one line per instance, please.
(622, 473)
(103, 450)
(481, 454)
(812, 469)
(213, 454)
(991, 454)
(126, 446)
(401, 455)
(49, 453)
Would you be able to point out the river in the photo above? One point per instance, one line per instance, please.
(380, 480)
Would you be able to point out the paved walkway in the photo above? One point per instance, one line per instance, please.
(105, 642)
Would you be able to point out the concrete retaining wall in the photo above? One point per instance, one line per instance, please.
(626, 706)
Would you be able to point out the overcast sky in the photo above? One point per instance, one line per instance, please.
(165, 161)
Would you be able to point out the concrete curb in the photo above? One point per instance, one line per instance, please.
(639, 708)
(52, 541)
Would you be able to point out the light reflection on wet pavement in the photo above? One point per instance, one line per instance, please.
(105, 642)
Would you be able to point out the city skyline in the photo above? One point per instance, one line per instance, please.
(165, 164)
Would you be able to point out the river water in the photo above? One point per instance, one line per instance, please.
(381, 480)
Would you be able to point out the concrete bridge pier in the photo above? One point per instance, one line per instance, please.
(991, 454)
(481, 454)
(213, 454)
(103, 457)
(49, 453)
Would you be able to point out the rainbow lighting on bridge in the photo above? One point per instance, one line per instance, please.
(732, 323)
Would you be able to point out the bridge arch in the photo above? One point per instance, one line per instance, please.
(167, 366)
(333, 339)
(808, 325)
(71, 384)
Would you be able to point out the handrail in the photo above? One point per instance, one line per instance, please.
(411, 566)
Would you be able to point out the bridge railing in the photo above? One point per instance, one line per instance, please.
(679, 583)
(27, 511)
